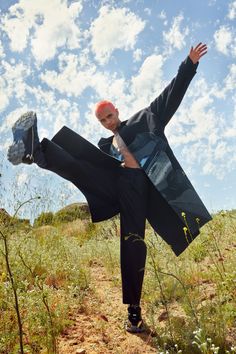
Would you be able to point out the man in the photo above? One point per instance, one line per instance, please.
(137, 175)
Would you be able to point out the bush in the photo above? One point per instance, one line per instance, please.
(71, 213)
(44, 219)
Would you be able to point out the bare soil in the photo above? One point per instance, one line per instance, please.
(98, 327)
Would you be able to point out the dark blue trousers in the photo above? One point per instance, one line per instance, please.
(110, 191)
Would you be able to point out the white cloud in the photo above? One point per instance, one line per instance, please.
(148, 11)
(58, 29)
(201, 131)
(204, 135)
(114, 29)
(110, 87)
(12, 82)
(175, 37)
(215, 159)
(10, 118)
(2, 54)
(137, 54)
(195, 126)
(128, 95)
(230, 131)
(53, 113)
(21, 178)
(92, 130)
(143, 87)
(230, 80)
(208, 168)
(162, 15)
(53, 23)
(4, 99)
(221, 150)
(17, 26)
(211, 2)
(225, 40)
(232, 10)
(4, 145)
(72, 78)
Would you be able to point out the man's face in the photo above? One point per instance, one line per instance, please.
(109, 118)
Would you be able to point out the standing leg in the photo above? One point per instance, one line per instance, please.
(133, 192)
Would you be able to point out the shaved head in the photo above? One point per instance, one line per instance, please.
(100, 106)
(108, 115)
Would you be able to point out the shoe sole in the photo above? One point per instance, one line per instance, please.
(16, 151)
(25, 122)
(134, 329)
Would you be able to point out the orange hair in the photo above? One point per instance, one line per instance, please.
(102, 104)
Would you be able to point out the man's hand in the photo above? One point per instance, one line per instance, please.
(197, 52)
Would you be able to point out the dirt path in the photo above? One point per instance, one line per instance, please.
(99, 327)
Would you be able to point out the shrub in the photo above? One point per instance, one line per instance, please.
(71, 213)
(44, 219)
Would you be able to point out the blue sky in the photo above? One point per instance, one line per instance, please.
(59, 58)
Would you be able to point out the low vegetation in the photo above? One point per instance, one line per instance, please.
(189, 301)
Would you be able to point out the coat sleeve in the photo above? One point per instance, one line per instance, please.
(166, 104)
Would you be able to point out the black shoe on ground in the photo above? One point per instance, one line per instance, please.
(135, 323)
(138, 328)
(26, 140)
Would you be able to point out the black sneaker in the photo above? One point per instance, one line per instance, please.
(135, 323)
(138, 328)
(26, 140)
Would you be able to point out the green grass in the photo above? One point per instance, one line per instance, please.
(194, 293)
(189, 301)
(50, 279)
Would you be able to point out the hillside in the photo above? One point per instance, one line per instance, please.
(65, 272)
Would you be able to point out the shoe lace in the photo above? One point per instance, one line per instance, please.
(30, 156)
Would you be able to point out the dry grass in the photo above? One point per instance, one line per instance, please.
(185, 300)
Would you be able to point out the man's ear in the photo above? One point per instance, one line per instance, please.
(117, 111)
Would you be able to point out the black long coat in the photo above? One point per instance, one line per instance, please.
(175, 210)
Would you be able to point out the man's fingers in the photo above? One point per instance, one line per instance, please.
(197, 52)
(200, 47)
(203, 53)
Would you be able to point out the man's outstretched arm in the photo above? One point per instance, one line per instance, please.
(166, 104)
